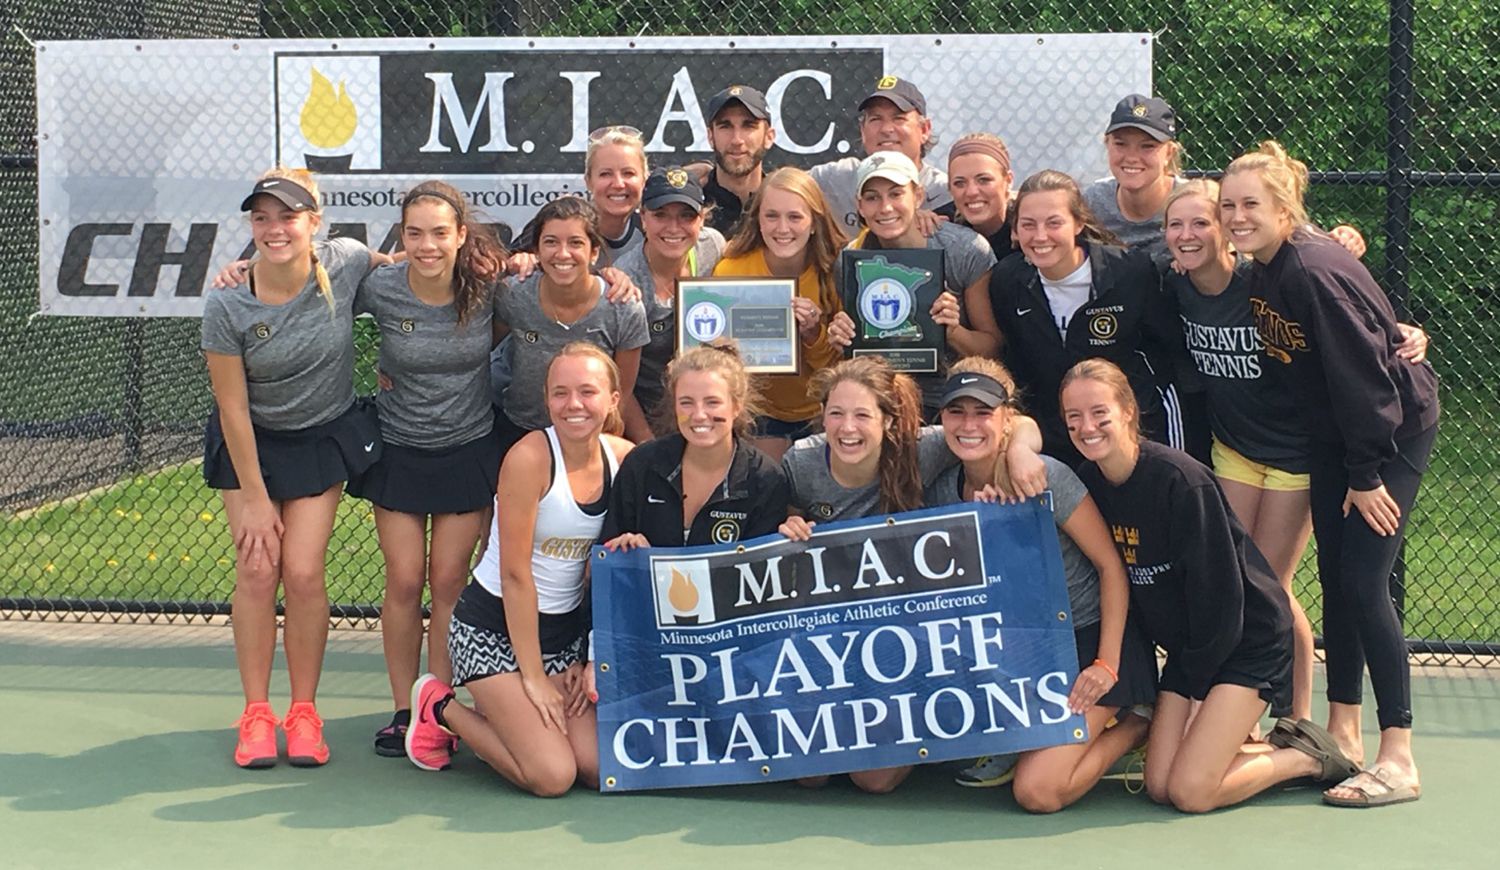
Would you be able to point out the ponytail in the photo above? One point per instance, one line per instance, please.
(325, 286)
(900, 474)
(1284, 177)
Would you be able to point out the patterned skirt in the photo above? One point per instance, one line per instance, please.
(477, 653)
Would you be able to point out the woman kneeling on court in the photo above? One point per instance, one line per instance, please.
(519, 631)
(1203, 593)
(1116, 667)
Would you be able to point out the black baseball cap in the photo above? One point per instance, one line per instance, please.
(754, 102)
(1151, 114)
(291, 194)
(975, 385)
(903, 93)
(665, 186)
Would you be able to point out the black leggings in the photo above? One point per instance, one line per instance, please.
(1354, 566)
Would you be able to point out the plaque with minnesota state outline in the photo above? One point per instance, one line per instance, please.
(889, 295)
(756, 313)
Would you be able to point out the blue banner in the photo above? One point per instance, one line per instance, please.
(885, 641)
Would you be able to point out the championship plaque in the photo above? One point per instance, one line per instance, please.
(889, 295)
(755, 312)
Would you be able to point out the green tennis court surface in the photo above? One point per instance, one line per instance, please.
(115, 748)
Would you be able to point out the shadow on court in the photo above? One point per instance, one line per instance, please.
(115, 743)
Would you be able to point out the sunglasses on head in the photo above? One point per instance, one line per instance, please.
(628, 130)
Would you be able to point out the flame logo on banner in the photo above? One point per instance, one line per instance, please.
(683, 594)
(328, 119)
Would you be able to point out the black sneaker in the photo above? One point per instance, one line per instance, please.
(390, 741)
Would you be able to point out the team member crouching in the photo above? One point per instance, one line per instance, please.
(518, 638)
(873, 456)
(1204, 594)
(283, 438)
(1117, 668)
(437, 317)
(705, 483)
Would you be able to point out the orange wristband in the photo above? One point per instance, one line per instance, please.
(1107, 669)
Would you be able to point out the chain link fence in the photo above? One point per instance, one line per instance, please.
(102, 508)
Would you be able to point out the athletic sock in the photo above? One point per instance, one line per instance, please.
(437, 712)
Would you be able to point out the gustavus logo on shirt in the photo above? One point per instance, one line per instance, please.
(1102, 327)
(1281, 337)
(821, 510)
(531, 336)
(408, 325)
(262, 330)
(659, 326)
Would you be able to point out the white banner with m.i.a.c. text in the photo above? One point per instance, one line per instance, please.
(145, 150)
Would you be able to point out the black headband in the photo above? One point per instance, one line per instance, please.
(414, 195)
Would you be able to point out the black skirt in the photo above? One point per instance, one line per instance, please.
(1137, 683)
(449, 480)
(301, 462)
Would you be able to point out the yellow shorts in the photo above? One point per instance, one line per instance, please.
(1230, 464)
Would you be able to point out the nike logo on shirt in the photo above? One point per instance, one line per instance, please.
(651, 499)
(370, 447)
(1022, 312)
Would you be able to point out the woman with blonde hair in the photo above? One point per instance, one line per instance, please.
(283, 438)
(518, 637)
(705, 483)
(1116, 668)
(788, 231)
(1331, 332)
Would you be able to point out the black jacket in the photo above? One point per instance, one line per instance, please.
(1128, 320)
(1329, 328)
(1201, 589)
(646, 497)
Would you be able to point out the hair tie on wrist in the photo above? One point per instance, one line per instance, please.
(1107, 669)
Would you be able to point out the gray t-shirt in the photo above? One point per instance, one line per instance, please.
(661, 316)
(1102, 198)
(439, 370)
(535, 338)
(836, 180)
(299, 355)
(824, 500)
(1067, 491)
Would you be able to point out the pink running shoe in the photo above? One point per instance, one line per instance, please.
(427, 742)
(304, 736)
(257, 746)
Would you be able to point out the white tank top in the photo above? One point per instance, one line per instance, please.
(560, 544)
